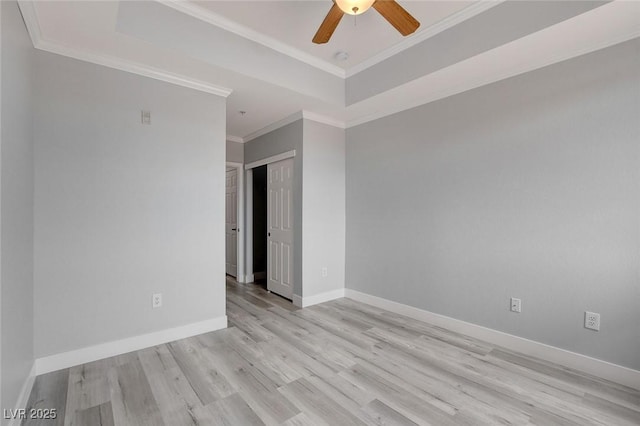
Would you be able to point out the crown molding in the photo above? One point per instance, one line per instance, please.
(304, 114)
(236, 139)
(448, 22)
(319, 118)
(220, 21)
(273, 126)
(31, 21)
(30, 16)
(134, 67)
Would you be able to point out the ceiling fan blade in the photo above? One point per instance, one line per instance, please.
(397, 16)
(329, 25)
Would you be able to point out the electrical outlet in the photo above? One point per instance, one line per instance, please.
(325, 272)
(516, 305)
(592, 320)
(156, 300)
(145, 117)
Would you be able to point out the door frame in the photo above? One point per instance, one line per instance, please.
(241, 278)
(250, 277)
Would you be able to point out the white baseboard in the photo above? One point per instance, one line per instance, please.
(250, 278)
(118, 347)
(303, 302)
(25, 392)
(603, 369)
(297, 301)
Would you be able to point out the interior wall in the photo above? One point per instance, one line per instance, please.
(523, 188)
(16, 201)
(282, 140)
(235, 152)
(323, 208)
(124, 210)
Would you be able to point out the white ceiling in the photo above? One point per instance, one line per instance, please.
(295, 22)
(261, 52)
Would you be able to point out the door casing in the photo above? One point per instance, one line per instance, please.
(248, 235)
(241, 277)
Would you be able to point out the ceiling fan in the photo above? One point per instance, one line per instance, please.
(389, 9)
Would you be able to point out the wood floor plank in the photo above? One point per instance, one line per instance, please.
(618, 413)
(408, 384)
(131, 397)
(49, 392)
(381, 414)
(508, 385)
(234, 339)
(608, 390)
(177, 402)
(371, 321)
(459, 390)
(201, 372)
(276, 300)
(343, 392)
(255, 387)
(100, 415)
(318, 405)
(176, 399)
(334, 326)
(254, 329)
(88, 387)
(409, 405)
(302, 363)
(232, 411)
(304, 342)
(446, 394)
(157, 359)
(302, 419)
(340, 362)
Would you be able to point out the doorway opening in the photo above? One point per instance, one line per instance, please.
(260, 225)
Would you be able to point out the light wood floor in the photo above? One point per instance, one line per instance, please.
(339, 363)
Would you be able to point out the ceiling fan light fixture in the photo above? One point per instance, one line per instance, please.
(354, 7)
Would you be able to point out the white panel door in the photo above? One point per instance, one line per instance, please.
(231, 222)
(280, 228)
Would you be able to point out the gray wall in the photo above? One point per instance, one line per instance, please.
(281, 140)
(323, 208)
(235, 152)
(16, 167)
(527, 188)
(124, 210)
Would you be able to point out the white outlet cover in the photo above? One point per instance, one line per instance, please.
(516, 305)
(145, 117)
(156, 300)
(592, 320)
